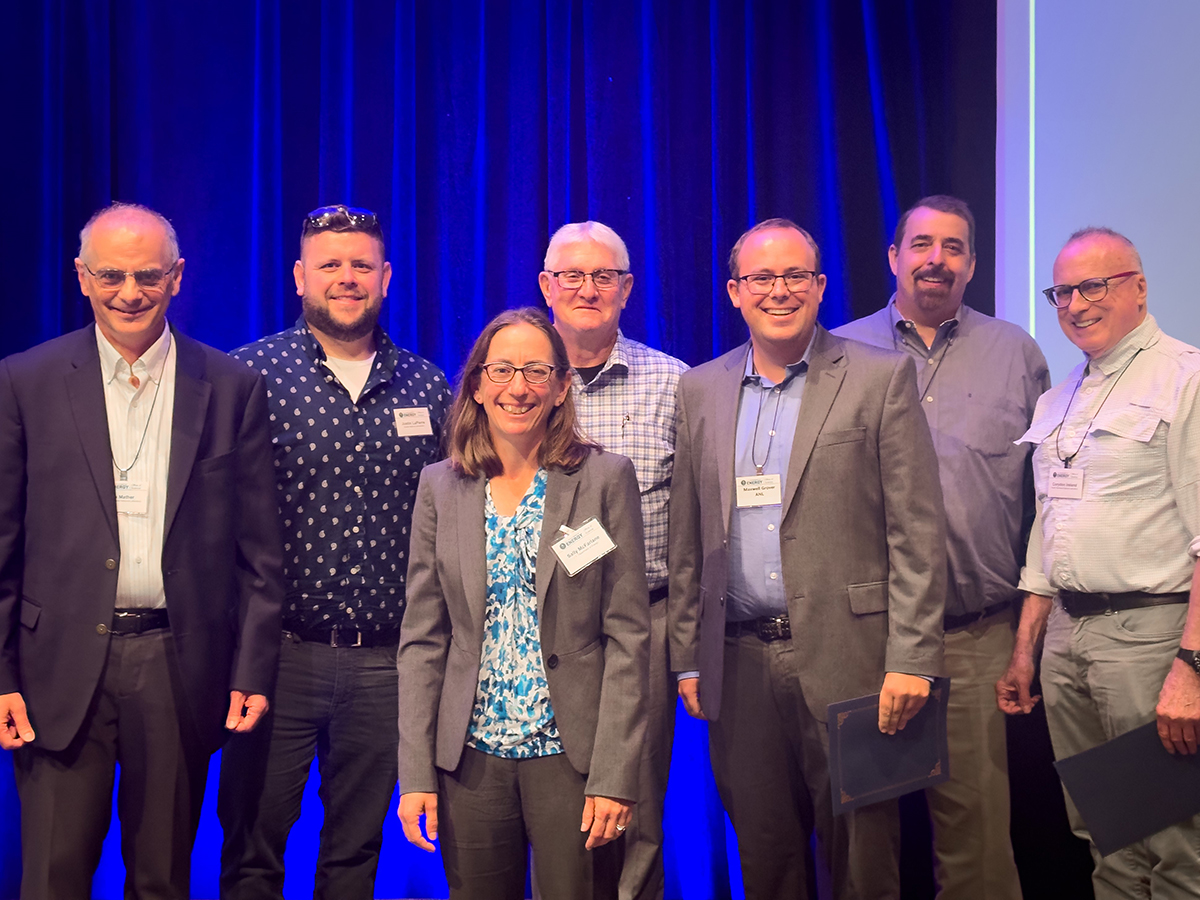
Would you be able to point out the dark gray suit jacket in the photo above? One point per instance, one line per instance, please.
(594, 627)
(59, 548)
(862, 533)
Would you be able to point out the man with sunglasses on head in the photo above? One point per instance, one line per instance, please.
(140, 578)
(1111, 572)
(979, 379)
(625, 401)
(354, 419)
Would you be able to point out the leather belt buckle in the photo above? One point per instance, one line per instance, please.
(335, 642)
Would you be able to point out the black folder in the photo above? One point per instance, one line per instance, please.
(867, 766)
(1130, 787)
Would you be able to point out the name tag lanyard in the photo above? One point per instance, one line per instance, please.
(125, 470)
(1066, 461)
(758, 466)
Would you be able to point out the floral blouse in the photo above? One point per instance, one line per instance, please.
(512, 716)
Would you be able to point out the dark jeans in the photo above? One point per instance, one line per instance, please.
(341, 705)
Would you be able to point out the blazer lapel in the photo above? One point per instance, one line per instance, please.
(560, 500)
(826, 372)
(728, 389)
(192, 392)
(85, 391)
(472, 546)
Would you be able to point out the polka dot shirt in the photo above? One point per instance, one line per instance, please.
(346, 479)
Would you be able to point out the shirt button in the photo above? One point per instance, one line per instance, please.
(101, 629)
(771, 527)
(355, 529)
(929, 362)
(774, 575)
(138, 560)
(110, 564)
(359, 447)
(929, 399)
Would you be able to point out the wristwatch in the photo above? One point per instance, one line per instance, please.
(1191, 657)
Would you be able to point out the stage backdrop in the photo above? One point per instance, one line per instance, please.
(475, 129)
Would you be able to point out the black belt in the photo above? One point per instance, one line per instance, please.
(346, 635)
(1078, 604)
(135, 621)
(952, 622)
(658, 595)
(765, 628)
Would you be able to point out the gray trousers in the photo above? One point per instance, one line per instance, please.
(1101, 676)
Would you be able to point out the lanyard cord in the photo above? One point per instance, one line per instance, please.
(124, 471)
(758, 467)
(1066, 461)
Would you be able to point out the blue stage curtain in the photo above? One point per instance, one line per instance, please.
(476, 128)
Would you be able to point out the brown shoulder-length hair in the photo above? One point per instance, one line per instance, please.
(471, 449)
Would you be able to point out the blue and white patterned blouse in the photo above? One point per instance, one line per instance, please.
(512, 716)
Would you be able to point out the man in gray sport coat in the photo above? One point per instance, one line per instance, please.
(807, 548)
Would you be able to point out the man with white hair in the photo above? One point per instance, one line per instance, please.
(625, 400)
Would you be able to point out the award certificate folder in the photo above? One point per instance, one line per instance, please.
(1130, 787)
(867, 766)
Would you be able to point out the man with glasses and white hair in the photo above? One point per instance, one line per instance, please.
(140, 577)
(625, 400)
(354, 419)
(1111, 576)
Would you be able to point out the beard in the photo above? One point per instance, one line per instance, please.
(316, 314)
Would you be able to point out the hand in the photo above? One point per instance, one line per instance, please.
(245, 711)
(1012, 690)
(604, 819)
(412, 807)
(15, 730)
(689, 691)
(901, 698)
(1179, 709)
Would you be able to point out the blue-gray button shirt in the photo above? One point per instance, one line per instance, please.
(979, 383)
(755, 562)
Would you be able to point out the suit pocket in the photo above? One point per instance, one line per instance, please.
(216, 463)
(868, 598)
(845, 436)
(30, 612)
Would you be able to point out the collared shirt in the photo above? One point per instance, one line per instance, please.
(1132, 430)
(979, 382)
(766, 424)
(347, 479)
(629, 408)
(139, 433)
(512, 716)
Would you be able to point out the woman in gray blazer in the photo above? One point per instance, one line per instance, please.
(523, 648)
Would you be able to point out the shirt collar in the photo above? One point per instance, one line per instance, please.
(618, 359)
(387, 357)
(1145, 335)
(149, 365)
(799, 367)
(903, 326)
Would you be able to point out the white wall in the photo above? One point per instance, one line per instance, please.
(1113, 139)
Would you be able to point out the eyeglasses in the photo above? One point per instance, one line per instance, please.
(603, 279)
(147, 279)
(1090, 289)
(342, 218)
(533, 373)
(764, 282)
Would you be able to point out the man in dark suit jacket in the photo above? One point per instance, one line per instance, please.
(140, 564)
(807, 550)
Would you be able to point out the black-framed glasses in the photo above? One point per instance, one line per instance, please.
(603, 279)
(342, 218)
(146, 279)
(1091, 289)
(797, 281)
(502, 372)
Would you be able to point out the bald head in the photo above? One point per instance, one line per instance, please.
(133, 217)
(1097, 326)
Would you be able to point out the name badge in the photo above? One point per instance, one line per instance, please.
(133, 499)
(1065, 484)
(578, 549)
(758, 490)
(413, 421)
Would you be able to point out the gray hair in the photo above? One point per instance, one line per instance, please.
(85, 234)
(575, 232)
(1092, 231)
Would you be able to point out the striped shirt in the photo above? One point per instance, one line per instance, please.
(629, 408)
(1133, 431)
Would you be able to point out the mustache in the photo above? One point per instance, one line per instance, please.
(936, 269)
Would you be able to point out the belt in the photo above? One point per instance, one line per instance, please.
(952, 622)
(1078, 604)
(658, 595)
(346, 635)
(765, 628)
(135, 621)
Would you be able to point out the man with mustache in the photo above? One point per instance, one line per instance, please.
(1111, 578)
(354, 419)
(979, 379)
(140, 576)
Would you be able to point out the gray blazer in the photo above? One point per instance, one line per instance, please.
(863, 532)
(594, 626)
